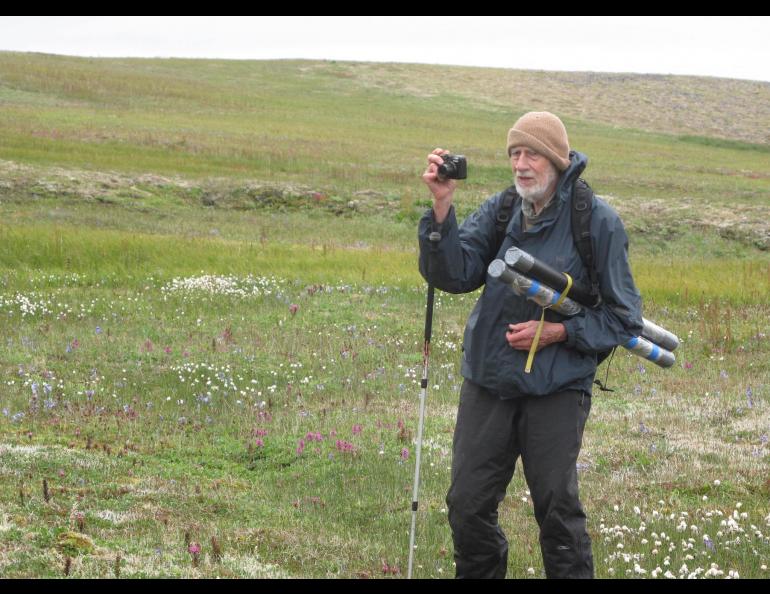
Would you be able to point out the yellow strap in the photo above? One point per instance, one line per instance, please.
(564, 295)
(533, 348)
(536, 340)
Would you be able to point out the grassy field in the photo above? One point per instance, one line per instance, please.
(211, 317)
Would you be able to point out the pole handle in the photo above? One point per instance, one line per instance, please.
(429, 314)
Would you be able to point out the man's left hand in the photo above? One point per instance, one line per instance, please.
(520, 336)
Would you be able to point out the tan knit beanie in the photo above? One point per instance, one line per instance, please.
(542, 132)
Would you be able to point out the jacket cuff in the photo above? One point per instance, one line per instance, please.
(572, 326)
(429, 225)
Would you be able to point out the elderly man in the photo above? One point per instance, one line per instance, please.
(505, 413)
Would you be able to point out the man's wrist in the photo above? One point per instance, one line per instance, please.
(559, 332)
(441, 210)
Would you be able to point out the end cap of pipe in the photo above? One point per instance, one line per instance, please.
(496, 268)
(519, 260)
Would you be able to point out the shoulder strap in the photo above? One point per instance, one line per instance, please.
(504, 214)
(582, 207)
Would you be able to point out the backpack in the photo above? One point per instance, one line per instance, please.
(582, 207)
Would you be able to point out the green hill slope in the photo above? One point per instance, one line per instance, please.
(672, 154)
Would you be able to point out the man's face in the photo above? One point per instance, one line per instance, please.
(534, 174)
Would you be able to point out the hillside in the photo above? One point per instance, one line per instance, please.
(675, 155)
(686, 105)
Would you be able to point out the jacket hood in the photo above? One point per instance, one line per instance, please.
(578, 163)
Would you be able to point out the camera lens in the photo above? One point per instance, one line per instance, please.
(447, 169)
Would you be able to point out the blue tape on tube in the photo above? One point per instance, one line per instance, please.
(632, 343)
(532, 291)
(556, 297)
(655, 354)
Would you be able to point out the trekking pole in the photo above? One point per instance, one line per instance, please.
(423, 393)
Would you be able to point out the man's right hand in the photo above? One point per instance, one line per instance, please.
(442, 190)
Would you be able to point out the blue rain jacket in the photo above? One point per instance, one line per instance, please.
(458, 264)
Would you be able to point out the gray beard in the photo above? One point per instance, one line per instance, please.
(531, 197)
(535, 196)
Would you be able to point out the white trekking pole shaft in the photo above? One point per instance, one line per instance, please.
(421, 422)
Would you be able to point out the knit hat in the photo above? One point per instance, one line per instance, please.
(542, 132)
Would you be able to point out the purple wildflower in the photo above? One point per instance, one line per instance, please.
(195, 551)
(345, 446)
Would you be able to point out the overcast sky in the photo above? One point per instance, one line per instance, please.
(731, 47)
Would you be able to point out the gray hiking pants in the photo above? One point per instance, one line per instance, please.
(491, 434)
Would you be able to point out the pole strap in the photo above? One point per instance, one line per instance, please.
(536, 340)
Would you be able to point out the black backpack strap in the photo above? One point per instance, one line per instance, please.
(504, 214)
(582, 207)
